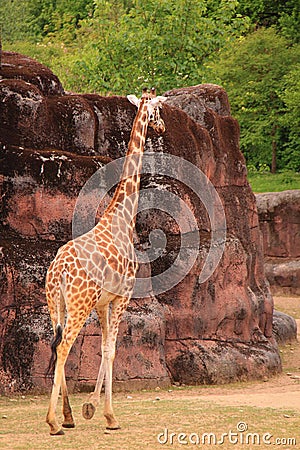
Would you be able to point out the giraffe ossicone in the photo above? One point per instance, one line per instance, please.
(72, 292)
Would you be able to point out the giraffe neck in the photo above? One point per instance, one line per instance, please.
(125, 200)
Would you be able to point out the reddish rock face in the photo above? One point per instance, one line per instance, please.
(197, 331)
(279, 216)
(21, 67)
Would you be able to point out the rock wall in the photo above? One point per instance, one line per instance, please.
(51, 143)
(279, 216)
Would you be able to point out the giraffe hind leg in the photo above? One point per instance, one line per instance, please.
(55, 429)
(69, 335)
(60, 383)
(56, 341)
(67, 410)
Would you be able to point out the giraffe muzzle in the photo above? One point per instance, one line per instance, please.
(159, 126)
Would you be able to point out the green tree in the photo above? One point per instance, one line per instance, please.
(284, 14)
(14, 20)
(290, 96)
(161, 42)
(65, 19)
(33, 19)
(252, 72)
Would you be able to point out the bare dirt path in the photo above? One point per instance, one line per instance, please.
(282, 391)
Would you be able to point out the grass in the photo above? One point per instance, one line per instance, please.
(143, 419)
(268, 182)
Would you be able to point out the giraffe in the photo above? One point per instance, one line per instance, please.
(97, 271)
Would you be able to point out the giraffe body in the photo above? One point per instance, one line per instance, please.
(97, 271)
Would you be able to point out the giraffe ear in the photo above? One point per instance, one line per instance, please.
(161, 98)
(156, 101)
(134, 100)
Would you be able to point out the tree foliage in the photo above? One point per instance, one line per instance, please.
(253, 71)
(35, 19)
(118, 46)
(284, 14)
(162, 42)
(290, 120)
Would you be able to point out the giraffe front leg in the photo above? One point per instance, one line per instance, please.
(89, 408)
(119, 305)
(112, 423)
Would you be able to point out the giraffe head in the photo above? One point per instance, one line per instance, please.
(153, 105)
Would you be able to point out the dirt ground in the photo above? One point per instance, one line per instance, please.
(281, 391)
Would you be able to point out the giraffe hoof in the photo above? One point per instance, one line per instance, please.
(68, 425)
(88, 410)
(58, 433)
(116, 427)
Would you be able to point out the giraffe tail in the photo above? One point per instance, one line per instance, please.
(54, 344)
(57, 338)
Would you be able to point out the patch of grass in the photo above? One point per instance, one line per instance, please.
(143, 418)
(268, 182)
